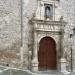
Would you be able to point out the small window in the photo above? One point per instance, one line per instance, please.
(48, 10)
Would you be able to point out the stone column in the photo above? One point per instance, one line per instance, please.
(35, 54)
(62, 60)
(62, 37)
(73, 53)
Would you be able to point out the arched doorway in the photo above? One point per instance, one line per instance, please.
(47, 54)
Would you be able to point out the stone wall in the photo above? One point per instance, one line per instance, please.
(68, 13)
(10, 30)
(11, 22)
(10, 35)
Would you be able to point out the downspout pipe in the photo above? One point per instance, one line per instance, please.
(21, 46)
(21, 22)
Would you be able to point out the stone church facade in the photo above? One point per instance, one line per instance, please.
(37, 36)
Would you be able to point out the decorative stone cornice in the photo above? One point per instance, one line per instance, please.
(49, 22)
(48, 26)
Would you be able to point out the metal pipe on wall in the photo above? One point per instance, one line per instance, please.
(21, 22)
(21, 50)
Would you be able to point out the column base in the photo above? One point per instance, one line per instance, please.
(34, 65)
(63, 65)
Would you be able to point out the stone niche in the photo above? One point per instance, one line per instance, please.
(53, 29)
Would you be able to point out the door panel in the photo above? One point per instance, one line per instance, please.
(47, 54)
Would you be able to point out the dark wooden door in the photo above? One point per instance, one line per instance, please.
(47, 54)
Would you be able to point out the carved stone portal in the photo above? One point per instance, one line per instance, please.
(53, 29)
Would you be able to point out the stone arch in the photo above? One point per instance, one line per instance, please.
(39, 39)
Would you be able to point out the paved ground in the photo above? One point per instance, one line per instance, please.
(53, 73)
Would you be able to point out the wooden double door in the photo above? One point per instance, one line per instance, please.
(47, 54)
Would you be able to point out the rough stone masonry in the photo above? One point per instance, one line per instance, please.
(10, 30)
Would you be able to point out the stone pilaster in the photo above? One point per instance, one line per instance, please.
(35, 54)
(63, 59)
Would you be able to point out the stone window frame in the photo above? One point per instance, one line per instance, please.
(50, 3)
